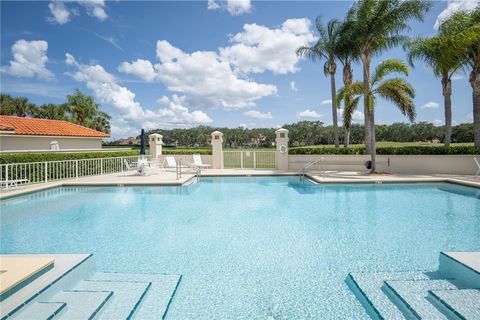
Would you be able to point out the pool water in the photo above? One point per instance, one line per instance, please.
(250, 248)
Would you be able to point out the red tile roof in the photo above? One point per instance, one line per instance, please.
(46, 127)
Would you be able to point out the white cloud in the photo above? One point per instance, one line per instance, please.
(293, 86)
(60, 13)
(438, 123)
(454, 6)
(470, 117)
(110, 40)
(142, 69)
(129, 114)
(308, 114)
(29, 59)
(201, 76)
(234, 7)
(243, 125)
(457, 77)
(430, 105)
(258, 115)
(259, 48)
(325, 102)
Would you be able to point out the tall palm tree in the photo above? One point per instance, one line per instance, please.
(53, 111)
(6, 103)
(464, 28)
(378, 25)
(324, 49)
(437, 52)
(346, 54)
(395, 90)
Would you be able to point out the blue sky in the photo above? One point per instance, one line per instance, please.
(180, 64)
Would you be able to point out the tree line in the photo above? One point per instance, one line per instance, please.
(373, 26)
(79, 108)
(309, 133)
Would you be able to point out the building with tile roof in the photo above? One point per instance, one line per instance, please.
(19, 134)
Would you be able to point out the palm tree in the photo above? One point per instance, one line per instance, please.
(324, 49)
(346, 54)
(6, 103)
(82, 107)
(464, 29)
(395, 90)
(53, 111)
(377, 27)
(21, 107)
(437, 52)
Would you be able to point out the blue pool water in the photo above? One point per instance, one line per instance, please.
(251, 248)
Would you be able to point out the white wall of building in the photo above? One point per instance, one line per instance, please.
(18, 143)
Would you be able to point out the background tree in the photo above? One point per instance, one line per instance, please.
(395, 90)
(325, 49)
(377, 27)
(82, 107)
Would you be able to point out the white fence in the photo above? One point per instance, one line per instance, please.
(248, 159)
(37, 172)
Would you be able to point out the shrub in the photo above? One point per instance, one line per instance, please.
(393, 150)
(186, 151)
(51, 156)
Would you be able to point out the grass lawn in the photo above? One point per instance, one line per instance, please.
(399, 144)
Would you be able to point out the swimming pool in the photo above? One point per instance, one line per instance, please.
(250, 248)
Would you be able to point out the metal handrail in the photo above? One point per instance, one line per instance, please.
(323, 164)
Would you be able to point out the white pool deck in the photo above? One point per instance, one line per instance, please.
(169, 178)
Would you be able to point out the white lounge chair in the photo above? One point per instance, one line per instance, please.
(127, 166)
(477, 174)
(12, 183)
(170, 162)
(197, 161)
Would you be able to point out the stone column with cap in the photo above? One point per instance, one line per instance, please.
(281, 142)
(156, 142)
(217, 150)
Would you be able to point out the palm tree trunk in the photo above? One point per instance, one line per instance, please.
(475, 83)
(334, 110)
(366, 84)
(447, 102)
(373, 148)
(346, 138)
(347, 81)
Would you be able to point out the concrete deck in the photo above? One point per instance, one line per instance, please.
(15, 270)
(169, 178)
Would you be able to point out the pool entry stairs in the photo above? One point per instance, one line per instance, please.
(451, 292)
(83, 293)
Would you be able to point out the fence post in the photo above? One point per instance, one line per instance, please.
(241, 159)
(46, 171)
(6, 176)
(76, 169)
(254, 160)
(281, 142)
(101, 166)
(217, 150)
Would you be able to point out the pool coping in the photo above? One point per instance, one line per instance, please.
(186, 182)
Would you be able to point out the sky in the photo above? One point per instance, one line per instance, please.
(179, 64)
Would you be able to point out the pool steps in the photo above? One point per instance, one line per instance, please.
(102, 295)
(451, 292)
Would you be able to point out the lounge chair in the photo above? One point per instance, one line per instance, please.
(127, 166)
(12, 183)
(477, 174)
(170, 162)
(197, 161)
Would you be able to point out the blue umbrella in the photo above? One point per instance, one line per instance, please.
(142, 142)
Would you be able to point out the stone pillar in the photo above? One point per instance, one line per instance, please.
(281, 142)
(155, 141)
(217, 150)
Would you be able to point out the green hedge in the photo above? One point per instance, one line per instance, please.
(398, 150)
(186, 151)
(40, 157)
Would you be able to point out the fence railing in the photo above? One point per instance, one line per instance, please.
(247, 159)
(38, 172)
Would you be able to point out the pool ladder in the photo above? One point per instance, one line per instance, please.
(321, 161)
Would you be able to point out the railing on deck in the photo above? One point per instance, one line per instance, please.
(38, 172)
(247, 159)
